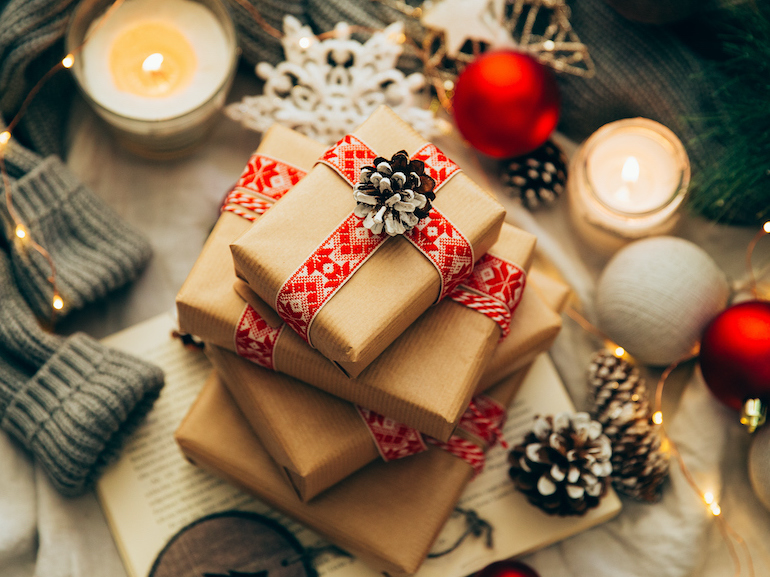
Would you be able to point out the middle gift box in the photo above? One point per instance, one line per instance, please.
(316, 438)
(426, 377)
(382, 227)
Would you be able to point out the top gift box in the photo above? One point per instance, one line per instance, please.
(348, 291)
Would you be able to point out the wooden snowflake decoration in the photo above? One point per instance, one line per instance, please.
(327, 87)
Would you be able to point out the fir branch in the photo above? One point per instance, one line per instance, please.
(735, 188)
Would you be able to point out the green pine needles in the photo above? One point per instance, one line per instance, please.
(735, 188)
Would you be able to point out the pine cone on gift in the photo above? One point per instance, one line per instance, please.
(620, 404)
(393, 194)
(563, 464)
(538, 178)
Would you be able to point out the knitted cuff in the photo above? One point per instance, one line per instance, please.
(93, 250)
(74, 414)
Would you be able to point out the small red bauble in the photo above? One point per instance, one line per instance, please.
(507, 569)
(735, 354)
(506, 103)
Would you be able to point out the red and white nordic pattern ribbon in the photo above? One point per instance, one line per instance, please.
(494, 289)
(255, 339)
(484, 419)
(263, 182)
(470, 294)
(394, 440)
(341, 254)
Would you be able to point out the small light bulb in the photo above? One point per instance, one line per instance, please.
(766, 227)
(708, 496)
(449, 85)
(657, 417)
(549, 45)
(68, 61)
(304, 42)
(58, 303)
(620, 351)
(5, 136)
(715, 509)
(20, 232)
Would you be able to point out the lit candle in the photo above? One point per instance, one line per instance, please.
(627, 181)
(157, 71)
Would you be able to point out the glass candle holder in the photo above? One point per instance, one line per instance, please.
(157, 72)
(627, 181)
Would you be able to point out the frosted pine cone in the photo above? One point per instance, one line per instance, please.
(563, 464)
(393, 194)
(620, 404)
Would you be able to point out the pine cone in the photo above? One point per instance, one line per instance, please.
(563, 464)
(394, 194)
(537, 178)
(620, 404)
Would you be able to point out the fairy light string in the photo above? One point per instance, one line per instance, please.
(21, 233)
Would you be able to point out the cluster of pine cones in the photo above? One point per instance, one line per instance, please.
(566, 463)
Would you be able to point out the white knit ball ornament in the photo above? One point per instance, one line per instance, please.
(657, 295)
(759, 465)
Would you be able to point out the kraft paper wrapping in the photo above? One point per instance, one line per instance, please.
(317, 438)
(388, 514)
(391, 289)
(534, 328)
(424, 379)
(207, 305)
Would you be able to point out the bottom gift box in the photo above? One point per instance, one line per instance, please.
(388, 514)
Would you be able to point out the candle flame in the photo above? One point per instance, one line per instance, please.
(630, 172)
(153, 62)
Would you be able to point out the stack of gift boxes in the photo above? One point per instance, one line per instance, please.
(360, 377)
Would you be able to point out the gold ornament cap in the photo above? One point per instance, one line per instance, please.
(753, 414)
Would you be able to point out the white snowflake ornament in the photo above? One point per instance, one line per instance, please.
(327, 88)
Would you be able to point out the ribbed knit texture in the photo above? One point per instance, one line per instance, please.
(70, 402)
(94, 251)
(30, 43)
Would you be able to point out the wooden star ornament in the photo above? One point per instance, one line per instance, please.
(463, 20)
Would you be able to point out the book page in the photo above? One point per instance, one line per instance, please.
(152, 491)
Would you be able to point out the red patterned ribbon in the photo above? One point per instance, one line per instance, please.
(394, 440)
(494, 289)
(483, 418)
(505, 282)
(255, 339)
(263, 182)
(341, 254)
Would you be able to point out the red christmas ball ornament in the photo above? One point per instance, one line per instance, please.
(507, 569)
(735, 359)
(506, 103)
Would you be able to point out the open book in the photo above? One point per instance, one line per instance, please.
(152, 491)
